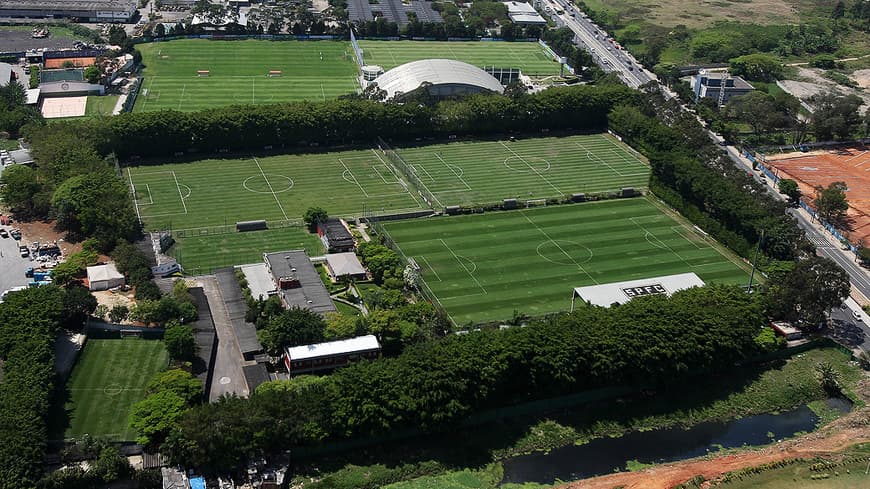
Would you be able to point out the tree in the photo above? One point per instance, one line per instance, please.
(74, 266)
(293, 327)
(339, 326)
(18, 186)
(92, 74)
(178, 381)
(119, 313)
(78, 304)
(806, 293)
(761, 67)
(179, 341)
(831, 203)
(314, 216)
(835, 116)
(839, 10)
(829, 378)
(790, 188)
(155, 415)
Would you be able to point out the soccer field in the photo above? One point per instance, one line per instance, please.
(109, 377)
(484, 172)
(311, 70)
(482, 267)
(276, 188)
(529, 57)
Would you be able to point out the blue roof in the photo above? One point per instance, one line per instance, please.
(197, 483)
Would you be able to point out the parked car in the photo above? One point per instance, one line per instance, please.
(24, 251)
(857, 316)
(16, 234)
(3, 234)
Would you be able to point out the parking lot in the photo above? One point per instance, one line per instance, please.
(11, 262)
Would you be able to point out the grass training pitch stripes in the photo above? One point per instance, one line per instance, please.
(483, 267)
(109, 377)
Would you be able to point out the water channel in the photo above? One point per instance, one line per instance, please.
(606, 455)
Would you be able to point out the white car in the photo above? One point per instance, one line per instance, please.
(857, 316)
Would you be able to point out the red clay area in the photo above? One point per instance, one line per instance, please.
(820, 168)
(77, 62)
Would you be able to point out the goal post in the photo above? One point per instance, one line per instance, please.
(203, 73)
(536, 203)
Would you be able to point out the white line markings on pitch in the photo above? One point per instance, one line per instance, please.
(547, 235)
(430, 267)
(181, 100)
(133, 192)
(178, 187)
(347, 170)
(591, 156)
(531, 167)
(278, 201)
(463, 265)
(449, 167)
(390, 167)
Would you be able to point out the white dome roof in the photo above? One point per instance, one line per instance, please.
(408, 77)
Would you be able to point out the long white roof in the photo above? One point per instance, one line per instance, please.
(606, 294)
(332, 348)
(409, 76)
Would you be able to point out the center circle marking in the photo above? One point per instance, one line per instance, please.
(564, 252)
(288, 184)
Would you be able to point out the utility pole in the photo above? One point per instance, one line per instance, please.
(755, 261)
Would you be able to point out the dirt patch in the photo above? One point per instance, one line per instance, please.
(849, 430)
(811, 82)
(701, 13)
(821, 168)
(44, 232)
(110, 299)
(862, 78)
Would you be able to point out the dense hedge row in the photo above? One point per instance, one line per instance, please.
(343, 121)
(434, 385)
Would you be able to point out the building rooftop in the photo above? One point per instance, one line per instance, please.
(345, 264)
(333, 348)
(717, 77)
(621, 292)
(408, 77)
(523, 13)
(337, 233)
(111, 5)
(311, 293)
(255, 375)
(231, 292)
(5, 74)
(205, 336)
(104, 272)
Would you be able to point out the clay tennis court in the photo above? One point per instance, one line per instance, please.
(53, 108)
(822, 167)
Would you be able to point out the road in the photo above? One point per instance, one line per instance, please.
(595, 40)
(12, 265)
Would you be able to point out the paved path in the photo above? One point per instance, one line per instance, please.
(228, 375)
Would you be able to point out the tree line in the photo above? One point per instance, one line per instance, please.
(433, 385)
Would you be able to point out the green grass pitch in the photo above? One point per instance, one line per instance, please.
(529, 57)
(109, 377)
(483, 267)
(482, 172)
(200, 254)
(222, 192)
(311, 70)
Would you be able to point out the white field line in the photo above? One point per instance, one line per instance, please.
(354, 178)
(178, 187)
(468, 187)
(665, 245)
(270, 188)
(531, 168)
(595, 156)
(463, 266)
(533, 223)
(632, 153)
(431, 268)
(398, 180)
(133, 194)
(181, 99)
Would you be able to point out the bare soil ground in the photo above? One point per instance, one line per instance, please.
(811, 82)
(862, 78)
(701, 13)
(847, 431)
(44, 232)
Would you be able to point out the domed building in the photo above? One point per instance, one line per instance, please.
(441, 77)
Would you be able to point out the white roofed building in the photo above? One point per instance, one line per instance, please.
(104, 277)
(330, 355)
(606, 295)
(441, 77)
(344, 265)
(524, 14)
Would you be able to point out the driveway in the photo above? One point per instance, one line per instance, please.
(228, 377)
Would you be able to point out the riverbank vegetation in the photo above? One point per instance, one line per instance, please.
(470, 451)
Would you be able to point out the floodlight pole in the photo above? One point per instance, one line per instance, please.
(755, 261)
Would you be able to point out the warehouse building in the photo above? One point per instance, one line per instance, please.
(524, 14)
(122, 11)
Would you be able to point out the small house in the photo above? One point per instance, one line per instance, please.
(340, 265)
(335, 236)
(786, 330)
(104, 277)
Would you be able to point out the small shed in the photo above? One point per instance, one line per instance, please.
(167, 269)
(335, 236)
(344, 265)
(104, 277)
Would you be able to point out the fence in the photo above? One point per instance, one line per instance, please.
(229, 228)
(555, 56)
(132, 93)
(409, 172)
(775, 179)
(356, 50)
(422, 287)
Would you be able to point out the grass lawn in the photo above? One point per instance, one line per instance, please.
(9, 144)
(535, 168)
(695, 15)
(849, 474)
(311, 70)
(98, 106)
(482, 267)
(200, 254)
(530, 57)
(276, 188)
(109, 377)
